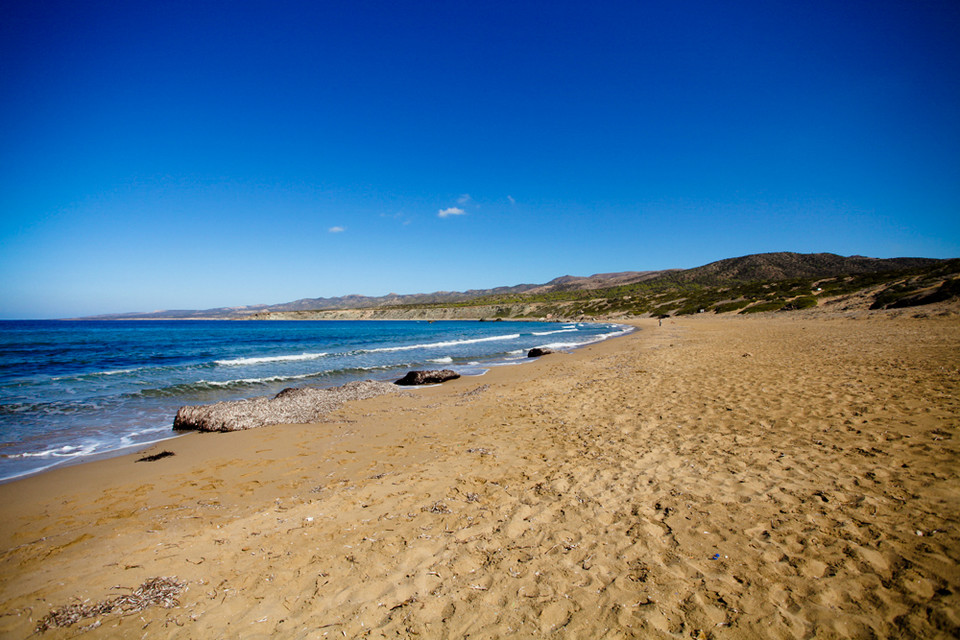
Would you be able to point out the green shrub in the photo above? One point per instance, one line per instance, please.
(769, 305)
(731, 306)
(663, 310)
(796, 304)
(692, 307)
(900, 296)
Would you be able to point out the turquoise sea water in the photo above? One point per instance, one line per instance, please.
(74, 389)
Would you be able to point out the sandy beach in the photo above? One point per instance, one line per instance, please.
(785, 476)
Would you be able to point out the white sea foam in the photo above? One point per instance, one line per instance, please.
(547, 333)
(95, 374)
(239, 381)
(267, 379)
(439, 345)
(597, 338)
(561, 345)
(128, 441)
(264, 359)
(446, 360)
(380, 367)
(66, 451)
(134, 434)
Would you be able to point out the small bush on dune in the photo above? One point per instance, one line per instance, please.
(731, 306)
(796, 304)
(769, 305)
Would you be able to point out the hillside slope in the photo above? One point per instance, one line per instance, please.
(788, 266)
(761, 282)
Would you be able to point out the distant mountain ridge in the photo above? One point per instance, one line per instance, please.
(750, 268)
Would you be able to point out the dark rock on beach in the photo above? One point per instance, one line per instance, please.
(290, 406)
(427, 377)
(536, 352)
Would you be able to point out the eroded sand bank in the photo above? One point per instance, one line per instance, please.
(715, 477)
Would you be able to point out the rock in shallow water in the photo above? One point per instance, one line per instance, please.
(428, 377)
(290, 406)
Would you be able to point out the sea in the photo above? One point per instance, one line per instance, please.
(74, 389)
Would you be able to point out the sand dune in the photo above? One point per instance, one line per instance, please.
(711, 478)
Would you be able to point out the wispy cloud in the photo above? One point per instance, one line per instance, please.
(402, 217)
(451, 211)
(336, 229)
(512, 201)
(464, 199)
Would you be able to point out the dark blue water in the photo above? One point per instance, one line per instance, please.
(72, 389)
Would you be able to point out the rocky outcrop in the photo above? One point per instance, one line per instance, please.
(536, 352)
(290, 406)
(427, 377)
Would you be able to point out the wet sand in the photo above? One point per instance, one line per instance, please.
(717, 477)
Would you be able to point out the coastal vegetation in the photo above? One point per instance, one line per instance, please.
(672, 294)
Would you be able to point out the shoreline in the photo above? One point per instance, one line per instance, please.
(139, 448)
(47, 454)
(721, 477)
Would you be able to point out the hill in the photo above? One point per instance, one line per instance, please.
(758, 282)
(788, 266)
(354, 301)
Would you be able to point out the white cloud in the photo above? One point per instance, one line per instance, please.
(512, 201)
(336, 229)
(452, 211)
(464, 199)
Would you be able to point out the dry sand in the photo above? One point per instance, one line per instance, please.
(715, 477)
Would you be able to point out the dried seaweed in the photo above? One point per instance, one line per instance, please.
(154, 591)
(156, 456)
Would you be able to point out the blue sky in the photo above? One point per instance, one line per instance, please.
(184, 155)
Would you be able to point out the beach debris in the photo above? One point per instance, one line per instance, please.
(483, 451)
(536, 352)
(291, 406)
(154, 591)
(156, 456)
(435, 376)
(408, 601)
(438, 507)
(475, 392)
